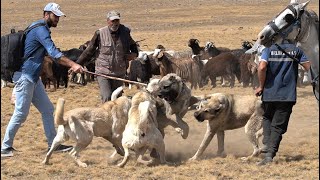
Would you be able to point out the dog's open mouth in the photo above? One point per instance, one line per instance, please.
(199, 117)
(167, 92)
(169, 97)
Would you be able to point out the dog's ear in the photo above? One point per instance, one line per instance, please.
(223, 100)
(193, 100)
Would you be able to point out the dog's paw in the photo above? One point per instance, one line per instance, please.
(184, 135)
(82, 164)
(45, 162)
(193, 159)
(244, 158)
(120, 165)
(178, 130)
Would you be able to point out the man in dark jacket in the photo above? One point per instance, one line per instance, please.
(278, 73)
(115, 48)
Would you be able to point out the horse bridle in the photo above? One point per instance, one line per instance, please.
(296, 21)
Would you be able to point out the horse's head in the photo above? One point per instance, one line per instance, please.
(285, 25)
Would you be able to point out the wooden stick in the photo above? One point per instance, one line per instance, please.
(115, 78)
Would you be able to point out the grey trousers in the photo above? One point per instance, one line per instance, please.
(107, 86)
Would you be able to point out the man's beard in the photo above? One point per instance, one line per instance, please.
(51, 23)
(114, 28)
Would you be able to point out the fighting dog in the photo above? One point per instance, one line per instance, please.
(81, 124)
(227, 112)
(141, 132)
(178, 95)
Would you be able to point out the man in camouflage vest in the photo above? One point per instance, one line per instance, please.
(115, 48)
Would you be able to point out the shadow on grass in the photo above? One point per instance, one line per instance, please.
(289, 158)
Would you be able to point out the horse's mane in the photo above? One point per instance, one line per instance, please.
(315, 19)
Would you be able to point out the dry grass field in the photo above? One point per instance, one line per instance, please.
(170, 23)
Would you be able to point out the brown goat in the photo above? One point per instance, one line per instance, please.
(224, 64)
(248, 70)
(187, 68)
(46, 73)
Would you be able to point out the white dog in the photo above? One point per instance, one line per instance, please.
(141, 132)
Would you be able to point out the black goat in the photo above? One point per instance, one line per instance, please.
(143, 68)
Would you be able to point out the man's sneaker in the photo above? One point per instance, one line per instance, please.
(8, 152)
(265, 161)
(62, 148)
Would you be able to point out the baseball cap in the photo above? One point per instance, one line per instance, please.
(112, 15)
(54, 8)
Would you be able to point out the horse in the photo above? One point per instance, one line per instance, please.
(299, 25)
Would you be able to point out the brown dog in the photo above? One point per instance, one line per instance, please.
(81, 124)
(227, 112)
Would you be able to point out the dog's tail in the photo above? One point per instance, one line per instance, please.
(258, 108)
(58, 117)
(116, 93)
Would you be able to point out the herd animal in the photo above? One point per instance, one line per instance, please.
(196, 66)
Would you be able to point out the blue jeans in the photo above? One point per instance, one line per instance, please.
(28, 92)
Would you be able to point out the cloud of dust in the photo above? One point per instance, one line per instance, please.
(179, 150)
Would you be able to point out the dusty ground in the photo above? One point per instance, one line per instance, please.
(172, 24)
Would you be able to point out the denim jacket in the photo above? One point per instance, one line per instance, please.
(38, 42)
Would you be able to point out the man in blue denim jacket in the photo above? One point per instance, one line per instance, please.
(28, 88)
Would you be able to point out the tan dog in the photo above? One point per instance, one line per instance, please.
(81, 124)
(141, 132)
(227, 112)
(178, 95)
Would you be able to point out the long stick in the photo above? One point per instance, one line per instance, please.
(115, 78)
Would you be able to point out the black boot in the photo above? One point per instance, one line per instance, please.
(267, 160)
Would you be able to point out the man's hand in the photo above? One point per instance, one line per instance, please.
(258, 91)
(77, 68)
